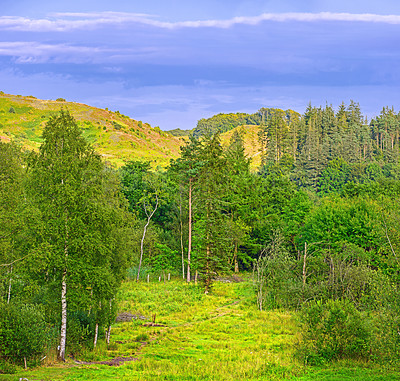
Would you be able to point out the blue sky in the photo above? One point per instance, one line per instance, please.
(173, 62)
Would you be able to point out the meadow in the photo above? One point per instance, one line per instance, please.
(183, 334)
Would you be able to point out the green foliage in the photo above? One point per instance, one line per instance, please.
(178, 132)
(11, 110)
(80, 328)
(210, 228)
(80, 240)
(334, 177)
(165, 258)
(334, 330)
(275, 282)
(23, 333)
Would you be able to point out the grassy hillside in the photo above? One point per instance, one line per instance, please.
(252, 146)
(219, 336)
(115, 136)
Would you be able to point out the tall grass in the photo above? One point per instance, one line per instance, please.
(218, 336)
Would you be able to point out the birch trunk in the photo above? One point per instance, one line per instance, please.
(190, 230)
(63, 339)
(9, 287)
(63, 333)
(181, 227)
(108, 335)
(304, 265)
(144, 235)
(96, 333)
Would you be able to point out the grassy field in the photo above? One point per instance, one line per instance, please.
(220, 336)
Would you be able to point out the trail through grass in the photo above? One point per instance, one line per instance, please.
(220, 336)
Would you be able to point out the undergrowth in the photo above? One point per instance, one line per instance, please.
(219, 336)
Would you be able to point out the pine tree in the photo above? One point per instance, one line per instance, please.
(210, 220)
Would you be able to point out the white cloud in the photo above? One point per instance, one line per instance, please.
(77, 21)
(36, 52)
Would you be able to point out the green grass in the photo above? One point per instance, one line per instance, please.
(219, 336)
(114, 139)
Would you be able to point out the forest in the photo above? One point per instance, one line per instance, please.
(315, 228)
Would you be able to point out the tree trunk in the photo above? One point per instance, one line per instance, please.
(236, 258)
(63, 339)
(108, 334)
(144, 235)
(304, 265)
(96, 332)
(181, 227)
(9, 287)
(208, 271)
(190, 229)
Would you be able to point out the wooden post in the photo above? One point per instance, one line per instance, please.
(195, 278)
(148, 278)
(169, 276)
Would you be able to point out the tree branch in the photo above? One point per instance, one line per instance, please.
(11, 263)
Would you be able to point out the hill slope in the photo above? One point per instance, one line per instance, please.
(116, 137)
(252, 147)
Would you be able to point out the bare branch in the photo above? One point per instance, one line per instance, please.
(11, 263)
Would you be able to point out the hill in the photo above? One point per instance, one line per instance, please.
(252, 147)
(115, 136)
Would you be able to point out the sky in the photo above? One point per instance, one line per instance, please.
(171, 63)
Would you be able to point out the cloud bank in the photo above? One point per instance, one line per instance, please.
(61, 22)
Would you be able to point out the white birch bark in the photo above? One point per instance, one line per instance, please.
(9, 287)
(63, 338)
(96, 333)
(190, 230)
(144, 234)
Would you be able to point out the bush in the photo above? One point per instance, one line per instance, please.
(23, 333)
(80, 328)
(334, 330)
(11, 110)
(7, 368)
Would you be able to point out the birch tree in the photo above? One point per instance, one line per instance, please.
(79, 209)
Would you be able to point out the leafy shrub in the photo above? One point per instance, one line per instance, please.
(334, 330)
(7, 368)
(23, 332)
(80, 328)
(11, 110)
(60, 100)
(386, 344)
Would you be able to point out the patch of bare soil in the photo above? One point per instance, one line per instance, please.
(117, 361)
(128, 316)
